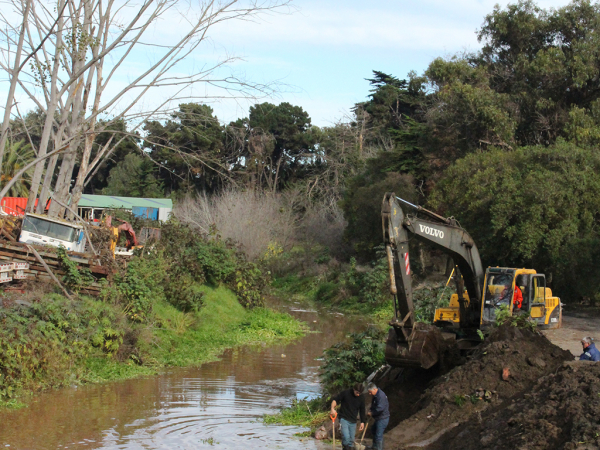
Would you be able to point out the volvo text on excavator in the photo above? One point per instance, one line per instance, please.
(478, 294)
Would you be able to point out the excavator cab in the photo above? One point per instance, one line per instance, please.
(538, 302)
(498, 292)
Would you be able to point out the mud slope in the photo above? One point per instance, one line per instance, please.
(466, 392)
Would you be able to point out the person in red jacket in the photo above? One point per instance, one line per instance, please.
(517, 297)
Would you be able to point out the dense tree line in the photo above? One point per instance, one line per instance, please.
(505, 139)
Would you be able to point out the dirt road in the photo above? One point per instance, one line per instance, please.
(576, 324)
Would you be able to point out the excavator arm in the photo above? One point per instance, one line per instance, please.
(417, 344)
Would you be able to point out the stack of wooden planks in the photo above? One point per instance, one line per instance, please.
(20, 252)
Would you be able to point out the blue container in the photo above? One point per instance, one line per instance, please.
(146, 213)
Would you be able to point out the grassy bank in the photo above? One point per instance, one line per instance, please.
(183, 339)
(58, 342)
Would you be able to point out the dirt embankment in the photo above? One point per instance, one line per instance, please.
(562, 411)
(506, 366)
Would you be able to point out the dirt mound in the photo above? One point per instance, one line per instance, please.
(562, 411)
(522, 356)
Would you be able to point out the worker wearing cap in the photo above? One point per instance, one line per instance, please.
(353, 404)
(380, 411)
(590, 352)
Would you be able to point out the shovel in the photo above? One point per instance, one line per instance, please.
(360, 446)
(333, 416)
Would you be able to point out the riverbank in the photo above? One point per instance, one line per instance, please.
(54, 342)
(219, 403)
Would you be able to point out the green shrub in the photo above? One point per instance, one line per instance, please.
(375, 283)
(327, 292)
(180, 293)
(519, 320)
(74, 278)
(131, 292)
(40, 345)
(350, 362)
(427, 299)
(356, 285)
(196, 259)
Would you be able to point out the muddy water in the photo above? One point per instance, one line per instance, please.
(218, 405)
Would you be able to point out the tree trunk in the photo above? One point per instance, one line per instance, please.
(14, 78)
(58, 138)
(52, 105)
(63, 183)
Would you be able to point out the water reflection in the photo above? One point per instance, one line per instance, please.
(218, 405)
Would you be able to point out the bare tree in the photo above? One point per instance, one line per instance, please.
(80, 56)
(253, 219)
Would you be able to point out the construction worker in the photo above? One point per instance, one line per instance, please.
(353, 404)
(380, 411)
(518, 298)
(590, 352)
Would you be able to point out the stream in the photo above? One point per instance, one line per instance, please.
(217, 405)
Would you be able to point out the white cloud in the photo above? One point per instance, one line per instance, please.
(398, 25)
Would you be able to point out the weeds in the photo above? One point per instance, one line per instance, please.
(459, 400)
(39, 345)
(504, 316)
(303, 413)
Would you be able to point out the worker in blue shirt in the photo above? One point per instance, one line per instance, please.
(380, 411)
(590, 352)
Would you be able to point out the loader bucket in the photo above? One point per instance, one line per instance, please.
(420, 349)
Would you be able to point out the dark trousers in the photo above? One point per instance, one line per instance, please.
(378, 429)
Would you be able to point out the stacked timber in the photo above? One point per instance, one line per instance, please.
(20, 252)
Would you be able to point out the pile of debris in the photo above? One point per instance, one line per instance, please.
(102, 238)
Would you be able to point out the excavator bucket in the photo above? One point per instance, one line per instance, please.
(420, 347)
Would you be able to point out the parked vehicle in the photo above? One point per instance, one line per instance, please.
(42, 230)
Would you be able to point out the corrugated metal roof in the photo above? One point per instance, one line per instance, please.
(108, 201)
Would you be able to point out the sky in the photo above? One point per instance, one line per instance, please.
(316, 54)
(321, 52)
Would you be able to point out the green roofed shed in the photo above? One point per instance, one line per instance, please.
(91, 206)
(109, 201)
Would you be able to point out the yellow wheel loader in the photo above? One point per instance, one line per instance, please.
(479, 294)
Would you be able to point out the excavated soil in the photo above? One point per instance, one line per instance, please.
(562, 411)
(509, 363)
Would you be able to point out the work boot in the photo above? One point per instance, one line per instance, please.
(377, 445)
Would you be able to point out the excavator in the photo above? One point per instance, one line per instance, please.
(479, 294)
(126, 230)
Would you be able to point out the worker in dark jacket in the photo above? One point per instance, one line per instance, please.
(380, 411)
(590, 352)
(353, 404)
